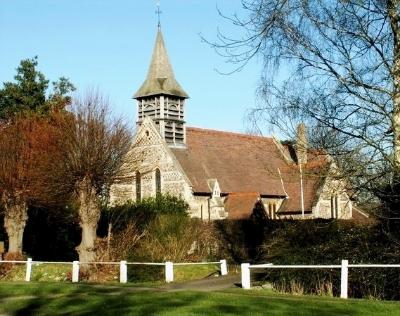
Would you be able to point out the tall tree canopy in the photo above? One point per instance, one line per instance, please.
(334, 64)
(29, 92)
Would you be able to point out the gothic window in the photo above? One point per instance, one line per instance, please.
(334, 206)
(272, 210)
(138, 180)
(158, 181)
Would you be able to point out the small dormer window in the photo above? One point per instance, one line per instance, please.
(215, 190)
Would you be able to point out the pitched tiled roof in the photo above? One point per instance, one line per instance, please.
(245, 163)
(240, 163)
(241, 205)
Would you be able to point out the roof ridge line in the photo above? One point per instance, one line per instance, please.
(209, 130)
(244, 193)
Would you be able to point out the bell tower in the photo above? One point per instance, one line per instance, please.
(162, 98)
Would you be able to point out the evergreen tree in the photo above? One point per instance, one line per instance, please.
(29, 92)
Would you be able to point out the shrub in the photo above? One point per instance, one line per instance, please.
(142, 212)
(119, 245)
(240, 240)
(155, 229)
(328, 242)
(6, 268)
(2, 232)
(174, 238)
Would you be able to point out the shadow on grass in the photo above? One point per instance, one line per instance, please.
(42, 299)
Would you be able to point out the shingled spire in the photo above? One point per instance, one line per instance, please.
(160, 77)
(162, 98)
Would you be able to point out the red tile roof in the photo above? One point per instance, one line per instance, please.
(246, 163)
(241, 205)
(313, 178)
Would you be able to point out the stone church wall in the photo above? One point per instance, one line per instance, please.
(148, 154)
(330, 190)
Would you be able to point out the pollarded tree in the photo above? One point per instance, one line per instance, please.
(92, 146)
(27, 143)
(27, 149)
(334, 64)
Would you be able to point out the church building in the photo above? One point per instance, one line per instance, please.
(221, 174)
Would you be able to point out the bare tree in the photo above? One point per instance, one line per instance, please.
(93, 145)
(333, 64)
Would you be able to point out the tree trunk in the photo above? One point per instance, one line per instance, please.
(89, 215)
(15, 218)
(394, 23)
(396, 112)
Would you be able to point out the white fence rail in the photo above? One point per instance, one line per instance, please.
(344, 268)
(123, 267)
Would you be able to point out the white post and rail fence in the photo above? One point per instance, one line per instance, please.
(123, 267)
(344, 269)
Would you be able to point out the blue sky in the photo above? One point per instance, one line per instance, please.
(108, 45)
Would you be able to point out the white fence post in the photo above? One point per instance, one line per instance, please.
(123, 272)
(75, 271)
(245, 267)
(28, 269)
(224, 268)
(344, 278)
(169, 272)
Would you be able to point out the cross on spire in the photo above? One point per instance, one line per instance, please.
(158, 12)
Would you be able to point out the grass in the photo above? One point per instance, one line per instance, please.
(195, 272)
(40, 272)
(84, 299)
(61, 272)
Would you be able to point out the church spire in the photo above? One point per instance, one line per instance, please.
(160, 77)
(162, 98)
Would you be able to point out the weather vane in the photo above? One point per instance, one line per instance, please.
(158, 12)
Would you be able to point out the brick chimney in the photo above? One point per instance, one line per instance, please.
(301, 144)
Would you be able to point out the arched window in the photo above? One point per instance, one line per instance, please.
(158, 181)
(335, 206)
(138, 186)
(272, 210)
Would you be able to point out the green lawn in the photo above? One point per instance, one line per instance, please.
(84, 299)
(194, 272)
(40, 272)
